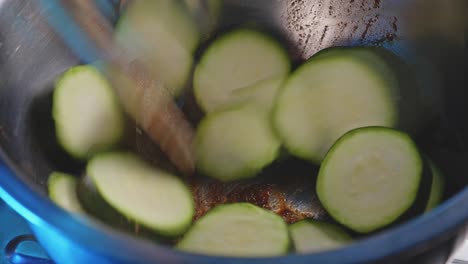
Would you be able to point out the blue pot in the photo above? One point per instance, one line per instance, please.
(69, 239)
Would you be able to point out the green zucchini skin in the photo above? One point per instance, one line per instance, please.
(338, 90)
(235, 60)
(99, 209)
(311, 236)
(61, 188)
(374, 142)
(206, 14)
(419, 205)
(235, 143)
(437, 187)
(86, 111)
(422, 199)
(163, 36)
(414, 107)
(96, 206)
(157, 199)
(256, 232)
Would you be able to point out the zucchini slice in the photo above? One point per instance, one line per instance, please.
(262, 94)
(240, 230)
(99, 209)
(93, 203)
(236, 60)
(153, 198)
(235, 143)
(87, 115)
(370, 178)
(311, 236)
(163, 36)
(62, 191)
(206, 14)
(437, 187)
(333, 93)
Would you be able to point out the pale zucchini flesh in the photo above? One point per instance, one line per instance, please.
(170, 15)
(234, 61)
(206, 14)
(153, 198)
(370, 178)
(93, 203)
(235, 143)
(156, 33)
(262, 93)
(311, 236)
(86, 111)
(329, 96)
(62, 191)
(237, 230)
(369, 55)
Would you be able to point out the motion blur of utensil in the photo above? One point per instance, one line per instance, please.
(146, 100)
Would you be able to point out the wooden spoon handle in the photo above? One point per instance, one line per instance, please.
(143, 97)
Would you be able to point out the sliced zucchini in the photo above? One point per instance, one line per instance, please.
(372, 56)
(311, 236)
(99, 209)
(153, 198)
(62, 191)
(235, 143)
(170, 15)
(236, 60)
(162, 36)
(87, 115)
(95, 205)
(263, 93)
(416, 105)
(240, 230)
(333, 93)
(437, 187)
(206, 14)
(370, 177)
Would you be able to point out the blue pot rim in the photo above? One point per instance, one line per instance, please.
(37, 209)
